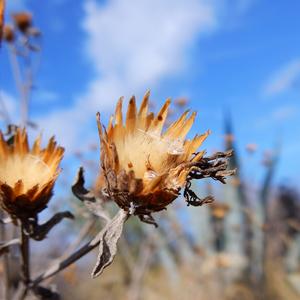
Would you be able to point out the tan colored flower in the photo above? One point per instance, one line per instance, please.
(144, 166)
(27, 176)
(22, 20)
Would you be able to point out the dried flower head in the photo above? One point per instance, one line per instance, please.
(23, 21)
(2, 4)
(143, 166)
(251, 148)
(181, 102)
(27, 176)
(8, 34)
(219, 210)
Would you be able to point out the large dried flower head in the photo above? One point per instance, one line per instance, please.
(22, 20)
(27, 176)
(144, 167)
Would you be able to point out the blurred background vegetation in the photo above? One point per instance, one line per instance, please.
(246, 245)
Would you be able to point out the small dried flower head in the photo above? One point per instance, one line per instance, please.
(143, 165)
(219, 210)
(23, 21)
(251, 148)
(229, 138)
(27, 176)
(181, 102)
(8, 34)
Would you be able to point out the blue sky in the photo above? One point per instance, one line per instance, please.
(238, 56)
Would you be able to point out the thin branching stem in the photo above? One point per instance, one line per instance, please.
(63, 262)
(6, 285)
(25, 254)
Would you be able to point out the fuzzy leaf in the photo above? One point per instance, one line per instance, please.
(109, 237)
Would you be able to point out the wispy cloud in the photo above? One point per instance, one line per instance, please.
(132, 45)
(278, 115)
(15, 5)
(283, 79)
(8, 107)
(284, 113)
(45, 96)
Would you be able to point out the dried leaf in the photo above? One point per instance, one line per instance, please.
(93, 203)
(109, 237)
(39, 232)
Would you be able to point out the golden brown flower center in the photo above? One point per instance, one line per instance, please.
(144, 150)
(31, 169)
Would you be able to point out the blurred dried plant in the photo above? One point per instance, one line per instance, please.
(22, 40)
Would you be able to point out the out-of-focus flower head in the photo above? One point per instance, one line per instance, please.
(142, 164)
(219, 210)
(251, 148)
(22, 20)
(181, 102)
(27, 176)
(8, 34)
(2, 4)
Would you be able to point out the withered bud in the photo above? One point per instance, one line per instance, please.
(229, 138)
(23, 21)
(235, 181)
(219, 210)
(181, 102)
(8, 34)
(251, 148)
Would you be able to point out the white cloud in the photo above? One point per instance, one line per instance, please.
(132, 45)
(141, 41)
(8, 107)
(284, 113)
(283, 79)
(278, 115)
